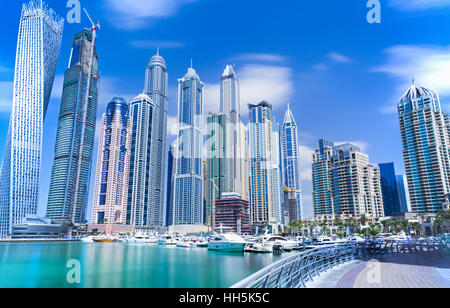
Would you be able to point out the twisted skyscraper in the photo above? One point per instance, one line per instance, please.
(38, 46)
(69, 186)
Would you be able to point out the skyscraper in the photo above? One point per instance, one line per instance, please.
(354, 182)
(219, 144)
(230, 104)
(38, 46)
(113, 165)
(424, 130)
(156, 87)
(139, 193)
(404, 208)
(69, 185)
(265, 180)
(188, 206)
(170, 185)
(321, 177)
(394, 198)
(290, 159)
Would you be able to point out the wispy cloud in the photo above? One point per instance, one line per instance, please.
(411, 5)
(258, 82)
(430, 66)
(364, 146)
(320, 67)
(259, 57)
(338, 57)
(144, 44)
(135, 14)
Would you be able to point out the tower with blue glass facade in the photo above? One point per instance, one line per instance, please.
(170, 184)
(113, 164)
(189, 180)
(38, 46)
(394, 198)
(69, 185)
(424, 130)
(290, 158)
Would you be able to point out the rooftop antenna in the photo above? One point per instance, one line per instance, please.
(413, 78)
(157, 51)
(192, 66)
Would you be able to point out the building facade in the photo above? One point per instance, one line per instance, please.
(291, 159)
(394, 198)
(233, 213)
(113, 165)
(265, 180)
(189, 181)
(38, 47)
(424, 130)
(170, 184)
(219, 175)
(345, 183)
(69, 185)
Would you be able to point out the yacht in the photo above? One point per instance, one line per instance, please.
(227, 243)
(167, 240)
(88, 239)
(184, 243)
(285, 243)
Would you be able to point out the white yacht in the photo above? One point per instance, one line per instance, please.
(88, 239)
(167, 240)
(284, 242)
(142, 239)
(227, 243)
(184, 243)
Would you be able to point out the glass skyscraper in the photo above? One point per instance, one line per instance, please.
(219, 175)
(265, 176)
(424, 130)
(290, 158)
(394, 198)
(69, 185)
(113, 165)
(146, 198)
(188, 205)
(38, 47)
(170, 184)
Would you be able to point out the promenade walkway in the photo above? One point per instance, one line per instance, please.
(389, 271)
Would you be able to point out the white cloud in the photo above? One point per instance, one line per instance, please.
(144, 44)
(172, 126)
(257, 83)
(135, 14)
(419, 4)
(430, 66)
(340, 58)
(306, 154)
(260, 57)
(320, 67)
(6, 96)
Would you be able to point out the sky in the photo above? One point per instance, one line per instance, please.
(341, 75)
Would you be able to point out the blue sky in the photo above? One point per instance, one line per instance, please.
(342, 76)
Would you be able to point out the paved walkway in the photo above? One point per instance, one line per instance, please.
(391, 271)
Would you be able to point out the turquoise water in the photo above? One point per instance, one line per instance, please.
(119, 265)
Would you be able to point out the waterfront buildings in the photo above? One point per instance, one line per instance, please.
(404, 206)
(38, 46)
(345, 183)
(290, 159)
(424, 130)
(113, 165)
(290, 210)
(233, 213)
(69, 185)
(219, 175)
(264, 166)
(394, 198)
(188, 205)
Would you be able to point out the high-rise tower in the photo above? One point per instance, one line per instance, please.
(113, 165)
(188, 205)
(38, 46)
(69, 185)
(424, 130)
(290, 158)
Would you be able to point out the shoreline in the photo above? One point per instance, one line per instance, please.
(38, 240)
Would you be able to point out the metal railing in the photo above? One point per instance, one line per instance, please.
(297, 270)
